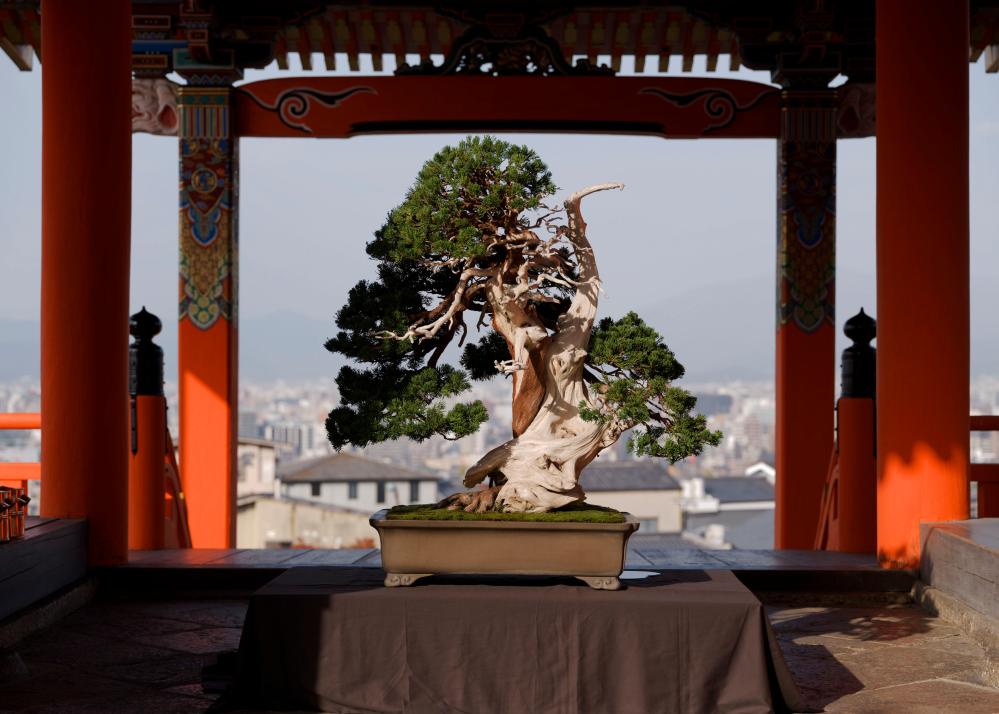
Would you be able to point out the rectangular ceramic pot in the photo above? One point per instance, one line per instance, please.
(593, 552)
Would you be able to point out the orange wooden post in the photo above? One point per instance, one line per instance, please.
(988, 499)
(856, 439)
(806, 350)
(207, 336)
(987, 475)
(922, 271)
(146, 500)
(86, 206)
(857, 476)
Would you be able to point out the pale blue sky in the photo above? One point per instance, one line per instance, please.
(690, 242)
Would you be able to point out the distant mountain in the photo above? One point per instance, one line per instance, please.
(19, 352)
(725, 331)
(722, 331)
(278, 346)
(286, 345)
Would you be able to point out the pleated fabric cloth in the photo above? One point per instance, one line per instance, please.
(335, 640)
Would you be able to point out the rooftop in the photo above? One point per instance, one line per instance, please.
(627, 476)
(739, 489)
(346, 467)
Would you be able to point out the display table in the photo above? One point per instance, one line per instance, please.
(334, 639)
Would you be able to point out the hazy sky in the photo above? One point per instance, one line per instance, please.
(696, 218)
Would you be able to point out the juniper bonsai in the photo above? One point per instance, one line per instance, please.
(473, 246)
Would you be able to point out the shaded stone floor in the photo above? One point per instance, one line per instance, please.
(116, 656)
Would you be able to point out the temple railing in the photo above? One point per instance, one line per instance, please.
(986, 475)
(19, 473)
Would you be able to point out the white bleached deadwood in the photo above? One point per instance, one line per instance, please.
(539, 469)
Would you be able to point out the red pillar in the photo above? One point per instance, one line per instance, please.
(146, 500)
(922, 251)
(86, 213)
(208, 292)
(806, 275)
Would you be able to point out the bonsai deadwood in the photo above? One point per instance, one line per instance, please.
(473, 244)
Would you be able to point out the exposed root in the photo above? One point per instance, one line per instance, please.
(478, 501)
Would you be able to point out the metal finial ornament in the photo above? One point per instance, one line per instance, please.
(859, 359)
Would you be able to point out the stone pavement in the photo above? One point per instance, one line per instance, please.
(883, 659)
(145, 656)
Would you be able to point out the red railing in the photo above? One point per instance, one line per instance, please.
(18, 474)
(987, 475)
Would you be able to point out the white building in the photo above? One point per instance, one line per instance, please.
(269, 522)
(642, 488)
(356, 483)
(743, 516)
(256, 467)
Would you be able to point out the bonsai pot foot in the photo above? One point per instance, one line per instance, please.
(601, 582)
(397, 580)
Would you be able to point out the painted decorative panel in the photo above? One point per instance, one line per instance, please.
(208, 191)
(806, 230)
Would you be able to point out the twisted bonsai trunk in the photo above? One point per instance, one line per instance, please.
(539, 468)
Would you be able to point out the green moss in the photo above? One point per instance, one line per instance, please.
(573, 513)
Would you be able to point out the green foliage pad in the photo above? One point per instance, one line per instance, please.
(573, 513)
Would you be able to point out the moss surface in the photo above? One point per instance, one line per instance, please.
(573, 513)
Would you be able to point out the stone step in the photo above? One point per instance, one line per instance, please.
(961, 558)
(51, 555)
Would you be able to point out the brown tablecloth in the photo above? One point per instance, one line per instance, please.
(334, 639)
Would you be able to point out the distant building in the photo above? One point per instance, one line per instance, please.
(297, 439)
(710, 403)
(248, 425)
(745, 515)
(741, 493)
(642, 488)
(762, 468)
(269, 522)
(256, 467)
(695, 499)
(356, 483)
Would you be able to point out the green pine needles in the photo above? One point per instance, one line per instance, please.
(633, 371)
(472, 256)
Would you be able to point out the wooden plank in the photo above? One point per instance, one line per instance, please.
(984, 473)
(992, 59)
(49, 557)
(17, 471)
(21, 420)
(32, 522)
(254, 558)
(713, 49)
(281, 51)
(322, 556)
(329, 54)
(20, 55)
(300, 38)
(177, 557)
(984, 422)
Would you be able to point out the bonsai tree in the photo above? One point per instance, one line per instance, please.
(474, 256)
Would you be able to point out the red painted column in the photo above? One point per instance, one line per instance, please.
(806, 275)
(208, 342)
(146, 500)
(86, 214)
(923, 303)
